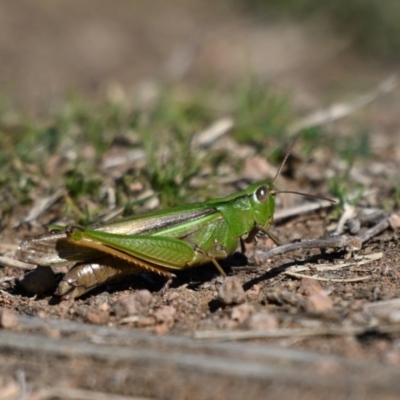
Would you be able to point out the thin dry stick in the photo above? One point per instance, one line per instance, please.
(11, 262)
(294, 272)
(349, 213)
(352, 243)
(6, 294)
(335, 242)
(384, 304)
(6, 279)
(329, 267)
(74, 394)
(375, 230)
(296, 332)
(133, 156)
(21, 377)
(213, 132)
(319, 278)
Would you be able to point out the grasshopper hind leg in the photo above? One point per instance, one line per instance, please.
(87, 276)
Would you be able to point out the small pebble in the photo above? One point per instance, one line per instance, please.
(8, 319)
(185, 307)
(96, 317)
(104, 307)
(165, 315)
(145, 322)
(285, 297)
(227, 324)
(10, 389)
(242, 312)
(394, 317)
(316, 298)
(310, 286)
(318, 303)
(42, 314)
(143, 299)
(172, 296)
(392, 356)
(263, 321)
(138, 303)
(52, 333)
(394, 221)
(253, 292)
(161, 329)
(231, 291)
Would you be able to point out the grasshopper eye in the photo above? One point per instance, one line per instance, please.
(262, 194)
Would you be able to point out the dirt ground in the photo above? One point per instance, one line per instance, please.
(265, 332)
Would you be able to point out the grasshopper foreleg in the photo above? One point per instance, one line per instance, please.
(208, 256)
(256, 232)
(219, 268)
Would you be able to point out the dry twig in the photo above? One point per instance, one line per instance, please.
(213, 132)
(296, 332)
(11, 262)
(81, 394)
(329, 267)
(320, 278)
(349, 243)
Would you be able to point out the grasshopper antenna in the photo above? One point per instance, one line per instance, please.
(285, 159)
(303, 194)
(292, 191)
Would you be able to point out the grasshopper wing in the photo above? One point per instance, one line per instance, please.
(159, 250)
(54, 248)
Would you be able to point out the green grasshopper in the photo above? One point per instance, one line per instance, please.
(158, 241)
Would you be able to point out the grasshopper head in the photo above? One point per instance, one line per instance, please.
(262, 197)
